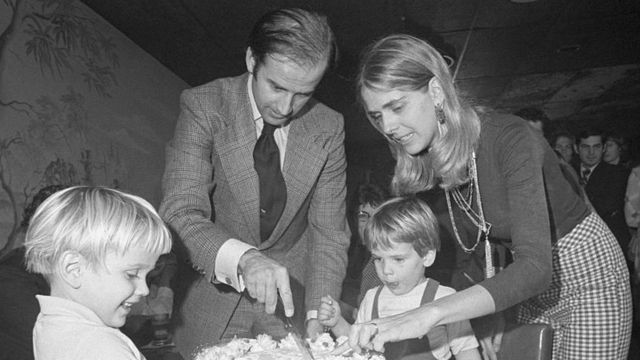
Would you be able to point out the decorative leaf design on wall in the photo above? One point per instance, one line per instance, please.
(63, 40)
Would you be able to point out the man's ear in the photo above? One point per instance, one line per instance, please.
(435, 90)
(250, 60)
(429, 258)
(71, 268)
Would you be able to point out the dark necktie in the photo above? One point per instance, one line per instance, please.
(273, 192)
(585, 176)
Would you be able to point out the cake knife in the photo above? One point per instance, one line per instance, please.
(303, 346)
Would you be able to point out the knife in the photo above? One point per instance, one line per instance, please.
(303, 346)
(296, 334)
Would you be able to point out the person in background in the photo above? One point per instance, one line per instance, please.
(567, 269)
(369, 196)
(255, 233)
(361, 274)
(402, 235)
(615, 150)
(632, 217)
(632, 211)
(94, 246)
(605, 184)
(535, 117)
(18, 305)
(564, 143)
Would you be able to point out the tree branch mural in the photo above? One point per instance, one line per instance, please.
(63, 41)
(5, 180)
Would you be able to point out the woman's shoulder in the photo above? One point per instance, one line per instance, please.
(502, 128)
(499, 121)
(508, 139)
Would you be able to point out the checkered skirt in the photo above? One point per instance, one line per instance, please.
(589, 302)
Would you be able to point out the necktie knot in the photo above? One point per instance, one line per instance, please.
(585, 176)
(268, 129)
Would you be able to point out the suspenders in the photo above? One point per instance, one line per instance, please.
(412, 348)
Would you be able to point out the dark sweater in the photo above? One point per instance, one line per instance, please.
(527, 200)
(18, 306)
(606, 190)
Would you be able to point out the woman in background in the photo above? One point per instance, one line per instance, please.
(615, 150)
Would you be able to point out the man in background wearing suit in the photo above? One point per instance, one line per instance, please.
(605, 184)
(214, 198)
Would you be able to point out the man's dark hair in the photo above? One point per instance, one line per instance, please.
(590, 132)
(300, 35)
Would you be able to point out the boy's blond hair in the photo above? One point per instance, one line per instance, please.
(403, 220)
(92, 221)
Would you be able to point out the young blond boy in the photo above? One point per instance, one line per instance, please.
(95, 247)
(402, 235)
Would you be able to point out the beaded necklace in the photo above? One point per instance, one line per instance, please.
(477, 218)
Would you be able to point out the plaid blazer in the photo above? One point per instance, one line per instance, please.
(210, 194)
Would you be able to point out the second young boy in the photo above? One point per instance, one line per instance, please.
(402, 235)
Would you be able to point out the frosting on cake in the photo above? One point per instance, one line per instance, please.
(263, 347)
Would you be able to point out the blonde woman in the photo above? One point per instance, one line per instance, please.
(502, 177)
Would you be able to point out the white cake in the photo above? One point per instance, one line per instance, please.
(265, 348)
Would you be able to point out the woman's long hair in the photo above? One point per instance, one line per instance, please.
(406, 63)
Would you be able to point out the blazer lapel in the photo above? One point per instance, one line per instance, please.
(303, 161)
(235, 149)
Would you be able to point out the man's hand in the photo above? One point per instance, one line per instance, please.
(264, 279)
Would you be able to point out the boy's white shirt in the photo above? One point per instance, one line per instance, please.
(66, 330)
(444, 340)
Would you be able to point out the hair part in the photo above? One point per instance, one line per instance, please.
(302, 36)
(406, 63)
(92, 221)
(403, 220)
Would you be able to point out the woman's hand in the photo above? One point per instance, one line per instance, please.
(466, 304)
(374, 334)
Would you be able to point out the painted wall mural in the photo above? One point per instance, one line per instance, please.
(79, 104)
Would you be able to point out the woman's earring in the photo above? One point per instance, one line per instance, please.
(440, 116)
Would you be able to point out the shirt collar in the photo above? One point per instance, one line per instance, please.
(584, 167)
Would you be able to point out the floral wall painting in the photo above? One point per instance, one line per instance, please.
(80, 104)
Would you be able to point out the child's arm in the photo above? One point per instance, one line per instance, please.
(329, 315)
(470, 354)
